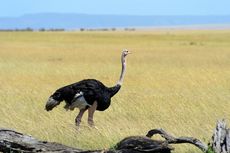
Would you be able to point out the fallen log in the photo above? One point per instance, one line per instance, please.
(12, 141)
(140, 144)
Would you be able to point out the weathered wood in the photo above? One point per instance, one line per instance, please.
(12, 141)
(221, 138)
(173, 140)
(139, 144)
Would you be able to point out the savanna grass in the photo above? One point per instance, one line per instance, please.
(177, 80)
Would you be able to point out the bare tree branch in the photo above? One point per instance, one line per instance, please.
(173, 140)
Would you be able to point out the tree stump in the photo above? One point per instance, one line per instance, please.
(221, 138)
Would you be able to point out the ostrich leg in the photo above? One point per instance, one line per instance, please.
(91, 111)
(79, 116)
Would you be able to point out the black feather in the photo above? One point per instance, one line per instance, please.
(93, 90)
(114, 90)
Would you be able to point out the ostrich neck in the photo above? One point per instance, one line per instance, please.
(123, 68)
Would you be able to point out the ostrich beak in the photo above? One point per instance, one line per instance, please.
(129, 52)
(51, 103)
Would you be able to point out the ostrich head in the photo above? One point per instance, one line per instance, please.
(53, 101)
(125, 52)
(62, 94)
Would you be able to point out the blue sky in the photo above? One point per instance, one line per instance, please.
(127, 7)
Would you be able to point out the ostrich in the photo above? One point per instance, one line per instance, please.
(88, 94)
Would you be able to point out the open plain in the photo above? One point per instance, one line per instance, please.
(178, 80)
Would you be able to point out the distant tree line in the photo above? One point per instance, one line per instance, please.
(30, 29)
(106, 29)
(52, 29)
(62, 29)
(25, 29)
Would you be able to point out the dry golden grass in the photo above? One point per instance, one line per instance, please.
(176, 80)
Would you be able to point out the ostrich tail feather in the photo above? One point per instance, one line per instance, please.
(114, 90)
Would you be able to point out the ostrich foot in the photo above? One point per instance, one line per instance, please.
(77, 122)
(91, 122)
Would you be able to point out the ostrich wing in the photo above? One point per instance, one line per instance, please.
(92, 89)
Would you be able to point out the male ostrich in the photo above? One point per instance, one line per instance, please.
(88, 94)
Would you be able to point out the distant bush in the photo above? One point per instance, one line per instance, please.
(129, 29)
(51, 29)
(99, 29)
(25, 29)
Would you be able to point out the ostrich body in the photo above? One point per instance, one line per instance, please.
(88, 94)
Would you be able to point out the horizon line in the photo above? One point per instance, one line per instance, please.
(90, 14)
